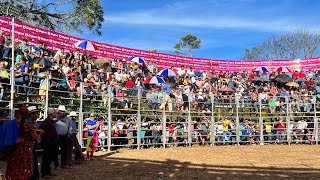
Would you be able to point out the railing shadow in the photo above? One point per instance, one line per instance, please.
(123, 168)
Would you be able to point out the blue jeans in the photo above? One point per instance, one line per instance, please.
(280, 135)
(226, 136)
(25, 83)
(5, 52)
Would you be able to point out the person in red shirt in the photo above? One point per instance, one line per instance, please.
(130, 83)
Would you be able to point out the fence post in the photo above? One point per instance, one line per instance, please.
(288, 120)
(109, 119)
(12, 77)
(47, 98)
(164, 122)
(237, 123)
(315, 120)
(260, 121)
(80, 138)
(213, 126)
(189, 121)
(139, 119)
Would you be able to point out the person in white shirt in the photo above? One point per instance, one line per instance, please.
(238, 97)
(299, 129)
(190, 72)
(65, 68)
(118, 75)
(181, 71)
(59, 55)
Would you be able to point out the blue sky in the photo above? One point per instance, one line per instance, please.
(226, 27)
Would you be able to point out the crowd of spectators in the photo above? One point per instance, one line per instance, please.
(204, 89)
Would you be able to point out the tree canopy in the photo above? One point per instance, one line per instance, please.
(59, 15)
(293, 45)
(187, 44)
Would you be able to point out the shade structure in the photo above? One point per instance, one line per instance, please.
(155, 80)
(85, 44)
(283, 69)
(137, 60)
(261, 69)
(226, 89)
(283, 78)
(167, 72)
(292, 84)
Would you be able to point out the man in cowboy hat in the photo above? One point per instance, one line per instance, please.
(34, 114)
(73, 140)
(63, 128)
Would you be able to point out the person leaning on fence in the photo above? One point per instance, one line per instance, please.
(92, 139)
(20, 159)
(73, 140)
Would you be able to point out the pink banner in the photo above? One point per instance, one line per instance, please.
(56, 40)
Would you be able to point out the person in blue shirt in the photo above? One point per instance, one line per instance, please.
(92, 126)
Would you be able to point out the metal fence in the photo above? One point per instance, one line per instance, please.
(133, 121)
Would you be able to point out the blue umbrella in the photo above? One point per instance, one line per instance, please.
(167, 72)
(301, 80)
(261, 69)
(87, 45)
(137, 60)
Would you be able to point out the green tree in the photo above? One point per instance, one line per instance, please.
(187, 44)
(153, 50)
(59, 15)
(293, 45)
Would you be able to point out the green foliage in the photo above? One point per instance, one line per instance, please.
(293, 45)
(187, 44)
(59, 15)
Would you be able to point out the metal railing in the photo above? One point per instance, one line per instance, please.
(133, 122)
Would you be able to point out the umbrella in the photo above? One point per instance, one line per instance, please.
(292, 84)
(45, 62)
(283, 78)
(167, 72)
(87, 45)
(301, 80)
(299, 75)
(101, 60)
(155, 80)
(283, 69)
(226, 89)
(262, 79)
(137, 60)
(261, 69)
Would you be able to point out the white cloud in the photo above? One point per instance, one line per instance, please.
(206, 22)
(209, 14)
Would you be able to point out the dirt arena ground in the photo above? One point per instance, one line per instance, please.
(227, 162)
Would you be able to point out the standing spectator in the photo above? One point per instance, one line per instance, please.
(63, 130)
(92, 127)
(34, 114)
(49, 139)
(280, 127)
(20, 161)
(73, 140)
